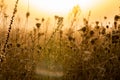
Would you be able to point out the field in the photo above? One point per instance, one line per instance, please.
(63, 53)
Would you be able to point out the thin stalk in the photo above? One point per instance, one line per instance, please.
(10, 26)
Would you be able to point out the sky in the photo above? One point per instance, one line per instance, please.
(98, 8)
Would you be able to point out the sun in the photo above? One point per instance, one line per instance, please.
(52, 6)
(60, 6)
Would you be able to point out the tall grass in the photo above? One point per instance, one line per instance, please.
(84, 54)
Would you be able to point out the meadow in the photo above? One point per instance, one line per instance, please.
(87, 52)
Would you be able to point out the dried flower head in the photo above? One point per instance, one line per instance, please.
(91, 33)
(103, 31)
(97, 22)
(43, 19)
(70, 38)
(83, 29)
(116, 17)
(85, 21)
(93, 41)
(105, 17)
(27, 14)
(56, 17)
(107, 26)
(5, 15)
(38, 25)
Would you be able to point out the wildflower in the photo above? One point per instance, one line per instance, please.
(97, 22)
(6, 16)
(91, 33)
(56, 17)
(85, 21)
(107, 26)
(70, 38)
(83, 29)
(103, 31)
(97, 27)
(27, 14)
(38, 25)
(43, 19)
(93, 41)
(116, 17)
(105, 17)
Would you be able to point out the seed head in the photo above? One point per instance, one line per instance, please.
(27, 14)
(43, 19)
(107, 26)
(83, 29)
(91, 32)
(38, 25)
(116, 17)
(56, 17)
(105, 17)
(97, 22)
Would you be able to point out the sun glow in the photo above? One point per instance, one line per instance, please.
(88, 4)
(61, 6)
(52, 6)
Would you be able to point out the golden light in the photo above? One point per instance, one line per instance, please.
(52, 6)
(89, 4)
(61, 6)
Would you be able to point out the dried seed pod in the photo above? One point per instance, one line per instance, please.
(38, 25)
(27, 14)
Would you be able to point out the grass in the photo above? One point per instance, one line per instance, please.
(84, 54)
